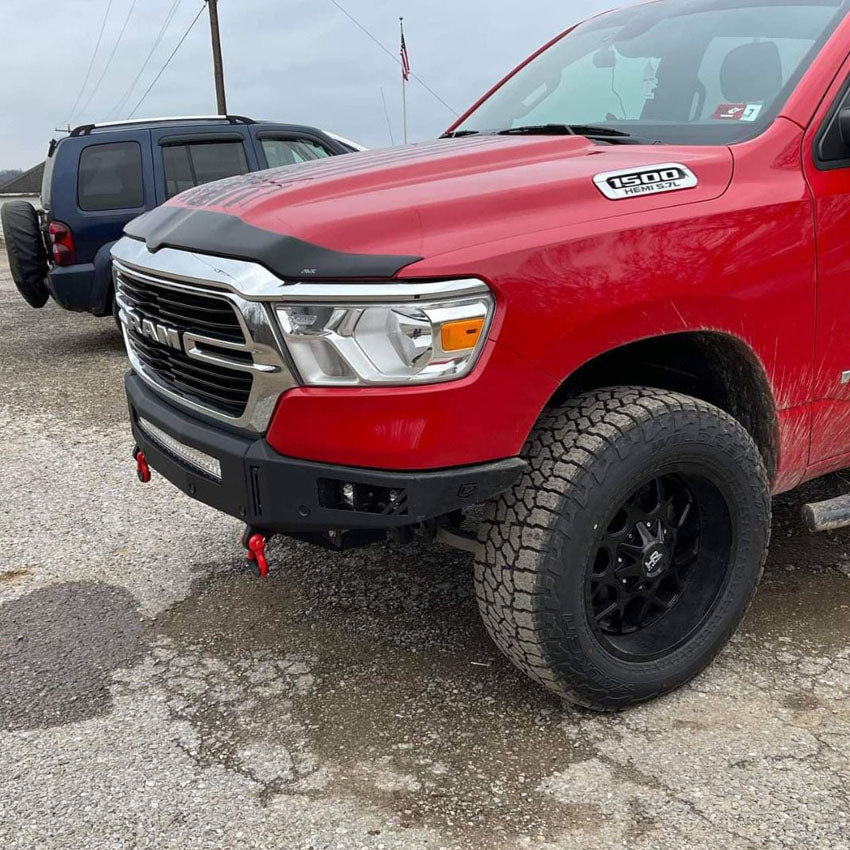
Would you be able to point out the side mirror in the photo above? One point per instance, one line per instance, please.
(844, 126)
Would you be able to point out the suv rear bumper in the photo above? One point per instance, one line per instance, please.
(79, 288)
(283, 494)
(71, 286)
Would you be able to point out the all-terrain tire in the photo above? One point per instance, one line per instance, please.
(26, 251)
(537, 541)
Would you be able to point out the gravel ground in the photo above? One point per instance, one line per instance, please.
(153, 694)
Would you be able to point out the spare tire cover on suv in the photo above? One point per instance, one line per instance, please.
(26, 251)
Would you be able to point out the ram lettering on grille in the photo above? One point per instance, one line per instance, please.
(158, 333)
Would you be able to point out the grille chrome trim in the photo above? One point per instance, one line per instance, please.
(257, 356)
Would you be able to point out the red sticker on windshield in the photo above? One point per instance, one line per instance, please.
(730, 111)
(737, 111)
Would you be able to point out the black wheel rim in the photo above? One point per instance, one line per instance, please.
(659, 565)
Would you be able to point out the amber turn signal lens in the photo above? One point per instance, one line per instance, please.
(461, 335)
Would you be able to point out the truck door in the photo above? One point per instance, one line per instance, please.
(826, 154)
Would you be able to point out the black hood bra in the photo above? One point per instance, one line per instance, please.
(222, 235)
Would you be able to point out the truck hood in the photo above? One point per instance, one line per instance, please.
(371, 214)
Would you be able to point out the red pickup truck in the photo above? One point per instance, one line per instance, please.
(611, 304)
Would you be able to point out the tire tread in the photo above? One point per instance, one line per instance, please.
(525, 530)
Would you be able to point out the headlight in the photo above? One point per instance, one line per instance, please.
(422, 334)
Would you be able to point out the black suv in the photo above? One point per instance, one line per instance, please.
(101, 176)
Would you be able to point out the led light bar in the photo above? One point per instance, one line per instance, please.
(204, 463)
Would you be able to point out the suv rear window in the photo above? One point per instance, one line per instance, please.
(110, 177)
(202, 162)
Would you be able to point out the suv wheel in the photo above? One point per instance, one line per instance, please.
(622, 562)
(27, 254)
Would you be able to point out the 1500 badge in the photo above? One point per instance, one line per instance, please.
(651, 180)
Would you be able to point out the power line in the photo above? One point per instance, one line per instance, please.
(111, 57)
(167, 61)
(91, 63)
(387, 116)
(392, 55)
(165, 24)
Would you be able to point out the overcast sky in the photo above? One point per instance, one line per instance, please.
(299, 61)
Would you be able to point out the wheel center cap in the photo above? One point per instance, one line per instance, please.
(654, 560)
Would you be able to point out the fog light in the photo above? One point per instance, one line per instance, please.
(362, 498)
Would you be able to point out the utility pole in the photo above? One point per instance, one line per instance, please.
(218, 69)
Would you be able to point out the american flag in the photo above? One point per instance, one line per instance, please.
(405, 59)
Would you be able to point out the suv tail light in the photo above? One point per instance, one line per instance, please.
(62, 244)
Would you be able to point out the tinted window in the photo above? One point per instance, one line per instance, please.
(202, 162)
(110, 177)
(289, 151)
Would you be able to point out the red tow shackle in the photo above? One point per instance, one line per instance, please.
(143, 471)
(255, 542)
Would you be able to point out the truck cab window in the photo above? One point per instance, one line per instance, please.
(613, 85)
(700, 73)
(781, 57)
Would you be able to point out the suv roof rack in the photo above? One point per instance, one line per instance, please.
(86, 129)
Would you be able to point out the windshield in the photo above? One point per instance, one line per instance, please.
(674, 71)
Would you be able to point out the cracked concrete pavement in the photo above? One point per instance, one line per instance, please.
(153, 694)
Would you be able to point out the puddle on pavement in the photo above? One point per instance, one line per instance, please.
(803, 596)
(59, 648)
(810, 608)
(410, 707)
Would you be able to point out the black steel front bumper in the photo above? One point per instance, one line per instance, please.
(282, 494)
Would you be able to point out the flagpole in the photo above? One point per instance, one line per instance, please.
(404, 106)
(403, 87)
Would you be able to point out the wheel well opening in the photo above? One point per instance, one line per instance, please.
(714, 367)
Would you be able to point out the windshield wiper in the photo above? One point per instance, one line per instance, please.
(589, 130)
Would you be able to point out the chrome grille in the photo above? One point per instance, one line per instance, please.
(188, 313)
(184, 311)
(223, 389)
(204, 348)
